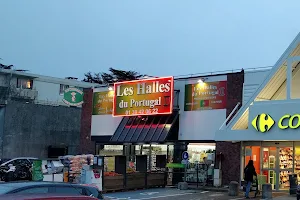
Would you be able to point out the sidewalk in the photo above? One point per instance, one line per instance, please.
(276, 195)
(209, 188)
(286, 197)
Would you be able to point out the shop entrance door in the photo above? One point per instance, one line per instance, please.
(277, 164)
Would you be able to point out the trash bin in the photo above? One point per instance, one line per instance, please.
(293, 183)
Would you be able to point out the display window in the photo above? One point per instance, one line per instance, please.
(111, 150)
(274, 164)
(297, 161)
(201, 163)
(199, 152)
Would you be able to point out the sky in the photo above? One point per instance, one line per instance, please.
(155, 37)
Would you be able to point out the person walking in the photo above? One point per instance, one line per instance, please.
(249, 172)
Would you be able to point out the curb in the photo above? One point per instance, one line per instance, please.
(210, 189)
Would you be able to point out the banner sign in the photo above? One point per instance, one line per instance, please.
(144, 97)
(205, 96)
(103, 103)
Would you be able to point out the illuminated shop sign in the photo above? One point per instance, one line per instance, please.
(205, 96)
(143, 97)
(264, 122)
(103, 103)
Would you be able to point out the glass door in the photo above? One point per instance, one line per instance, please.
(277, 164)
(285, 166)
(270, 165)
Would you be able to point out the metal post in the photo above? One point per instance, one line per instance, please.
(197, 171)
(185, 166)
(289, 79)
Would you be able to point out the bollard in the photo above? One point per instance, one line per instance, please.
(293, 183)
(182, 185)
(266, 191)
(233, 188)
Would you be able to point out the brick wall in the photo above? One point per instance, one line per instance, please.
(86, 145)
(231, 151)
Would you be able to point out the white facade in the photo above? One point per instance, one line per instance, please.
(40, 89)
(104, 125)
(198, 125)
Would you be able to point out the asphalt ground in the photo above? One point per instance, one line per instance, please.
(175, 194)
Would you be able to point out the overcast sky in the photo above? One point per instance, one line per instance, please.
(156, 37)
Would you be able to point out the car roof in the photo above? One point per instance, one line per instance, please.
(5, 161)
(47, 196)
(18, 184)
(18, 158)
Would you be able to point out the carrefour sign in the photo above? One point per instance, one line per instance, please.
(264, 122)
(275, 117)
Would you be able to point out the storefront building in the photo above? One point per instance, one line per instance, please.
(200, 104)
(266, 127)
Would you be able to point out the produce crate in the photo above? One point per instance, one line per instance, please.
(113, 183)
(135, 180)
(155, 179)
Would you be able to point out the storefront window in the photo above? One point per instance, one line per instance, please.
(138, 149)
(157, 150)
(269, 165)
(274, 164)
(111, 150)
(197, 152)
(109, 164)
(201, 159)
(253, 153)
(146, 149)
(297, 160)
(269, 157)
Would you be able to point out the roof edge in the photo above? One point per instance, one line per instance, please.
(272, 72)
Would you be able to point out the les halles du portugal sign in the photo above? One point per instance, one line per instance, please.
(143, 97)
(264, 122)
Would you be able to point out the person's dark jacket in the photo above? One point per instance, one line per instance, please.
(249, 172)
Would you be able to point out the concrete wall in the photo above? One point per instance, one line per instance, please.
(30, 128)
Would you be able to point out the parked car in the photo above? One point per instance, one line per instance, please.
(32, 187)
(23, 168)
(44, 197)
(17, 161)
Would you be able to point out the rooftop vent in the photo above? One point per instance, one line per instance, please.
(71, 78)
(21, 70)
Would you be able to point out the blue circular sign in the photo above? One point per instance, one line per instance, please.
(185, 155)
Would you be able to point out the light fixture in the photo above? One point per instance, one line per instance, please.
(110, 88)
(202, 80)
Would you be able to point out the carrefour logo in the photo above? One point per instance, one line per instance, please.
(264, 122)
